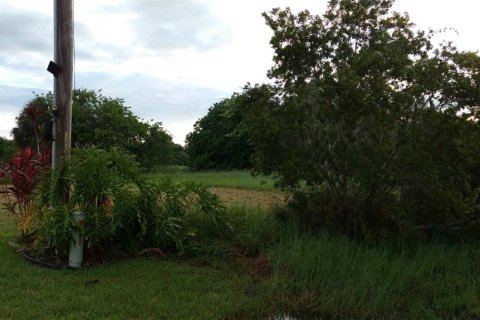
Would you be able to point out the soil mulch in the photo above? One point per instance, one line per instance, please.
(258, 266)
(51, 260)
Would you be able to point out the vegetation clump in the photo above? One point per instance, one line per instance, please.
(219, 140)
(122, 210)
(18, 180)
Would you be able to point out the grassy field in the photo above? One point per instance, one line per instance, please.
(264, 268)
(224, 179)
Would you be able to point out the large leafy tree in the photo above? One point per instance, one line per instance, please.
(156, 147)
(99, 121)
(105, 122)
(219, 139)
(376, 120)
(180, 156)
(34, 127)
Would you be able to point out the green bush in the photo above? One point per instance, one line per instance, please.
(7, 149)
(92, 178)
(176, 215)
(53, 229)
(122, 209)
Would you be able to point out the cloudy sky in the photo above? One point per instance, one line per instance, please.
(169, 59)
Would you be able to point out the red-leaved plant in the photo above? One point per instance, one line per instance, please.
(18, 180)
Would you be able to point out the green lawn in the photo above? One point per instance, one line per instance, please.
(132, 289)
(226, 179)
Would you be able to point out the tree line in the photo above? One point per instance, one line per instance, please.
(99, 121)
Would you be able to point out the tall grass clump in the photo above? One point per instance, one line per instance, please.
(331, 277)
(255, 228)
(250, 231)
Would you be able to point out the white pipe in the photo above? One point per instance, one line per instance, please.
(75, 258)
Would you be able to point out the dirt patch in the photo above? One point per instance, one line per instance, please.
(258, 266)
(265, 199)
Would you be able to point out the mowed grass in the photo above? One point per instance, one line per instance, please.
(136, 288)
(224, 179)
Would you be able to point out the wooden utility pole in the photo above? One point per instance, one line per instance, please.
(63, 83)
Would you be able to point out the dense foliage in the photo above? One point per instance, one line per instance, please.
(98, 121)
(34, 126)
(375, 127)
(219, 140)
(7, 149)
(121, 209)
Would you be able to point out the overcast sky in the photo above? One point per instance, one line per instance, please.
(169, 59)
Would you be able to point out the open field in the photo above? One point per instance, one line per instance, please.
(222, 179)
(233, 187)
(250, 198)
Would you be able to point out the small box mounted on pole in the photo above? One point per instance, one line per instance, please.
(54, 68)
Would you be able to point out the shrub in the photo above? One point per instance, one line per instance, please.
(7, 149)
(176, 215)
(87, 182)
(121, 208)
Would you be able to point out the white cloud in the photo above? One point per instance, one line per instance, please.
(170, 59)
(7, 121)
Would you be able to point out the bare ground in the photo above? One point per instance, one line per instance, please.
(265, 199)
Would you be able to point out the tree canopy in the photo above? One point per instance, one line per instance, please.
(34, 126)
(7, 149)
(381, 124)
(219, 139)
(99, 121)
